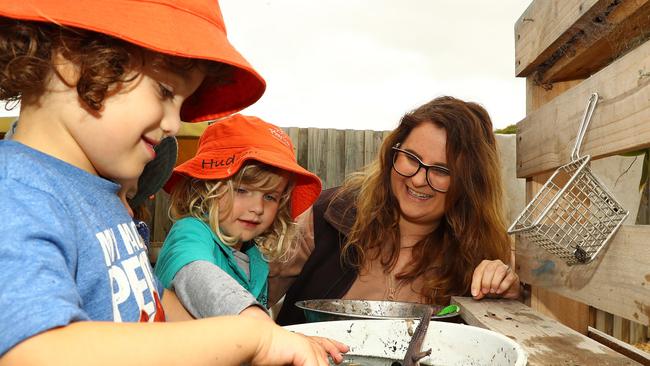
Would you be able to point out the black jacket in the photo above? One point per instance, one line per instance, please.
(323, 276)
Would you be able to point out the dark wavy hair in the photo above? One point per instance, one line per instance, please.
(472, 229)
(26, 60)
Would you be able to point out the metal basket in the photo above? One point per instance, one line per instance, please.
(574, 215)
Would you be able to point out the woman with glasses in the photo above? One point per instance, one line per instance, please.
(422, 223)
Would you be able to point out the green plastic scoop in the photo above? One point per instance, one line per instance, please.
(448, 310)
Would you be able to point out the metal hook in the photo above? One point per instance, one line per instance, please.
(586, 118)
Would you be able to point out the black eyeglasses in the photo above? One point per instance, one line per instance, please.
(407, 164)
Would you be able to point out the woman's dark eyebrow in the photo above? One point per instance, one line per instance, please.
(420, 157)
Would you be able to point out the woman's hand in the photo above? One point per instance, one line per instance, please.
(281, 347)
(496, 279)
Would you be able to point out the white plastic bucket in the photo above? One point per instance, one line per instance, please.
(451, 344)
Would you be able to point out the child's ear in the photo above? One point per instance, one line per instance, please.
(66, 70)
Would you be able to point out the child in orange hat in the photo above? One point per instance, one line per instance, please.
(234, 204)
(101, 83)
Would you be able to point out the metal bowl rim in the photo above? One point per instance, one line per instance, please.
(301, 304)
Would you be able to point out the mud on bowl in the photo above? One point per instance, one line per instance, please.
(386, 341)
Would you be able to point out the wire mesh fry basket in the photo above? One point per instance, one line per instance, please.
(574, 215)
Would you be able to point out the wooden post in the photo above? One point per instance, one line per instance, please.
(571, 313)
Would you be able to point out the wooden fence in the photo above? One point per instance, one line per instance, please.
(332, 154)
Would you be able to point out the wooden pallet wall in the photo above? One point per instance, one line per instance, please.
(566, 50)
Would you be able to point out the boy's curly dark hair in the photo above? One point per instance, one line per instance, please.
(26, 60)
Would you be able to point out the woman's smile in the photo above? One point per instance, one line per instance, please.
(418, 195)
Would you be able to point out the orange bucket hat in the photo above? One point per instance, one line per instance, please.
(185, 28)
(225, 147)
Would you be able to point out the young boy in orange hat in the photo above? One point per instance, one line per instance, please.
(234, 204)
(101, 83)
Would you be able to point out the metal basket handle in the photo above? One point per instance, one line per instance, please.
(589, 111)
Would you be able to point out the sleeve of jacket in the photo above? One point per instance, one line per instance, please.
(205, 290)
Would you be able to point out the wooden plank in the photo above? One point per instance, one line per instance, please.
(316, 161)
(543, 27)
(643, 215)
(546, 341)
(638, 333)
(368, 147)
(385, 134)
(600, 320)
(546, 136)
(593, 313)
(619, 329)
(187, 147)
(617, 281)
(335, 157)
(537, 96)
(353, 151)
(377, 139)
(620, 347)
(194, 129)
(609, 323)
(294, 135)
(573, 314)
(567, 40)
(618, 28)
(303, 147)
(626, 326)
(5, 123)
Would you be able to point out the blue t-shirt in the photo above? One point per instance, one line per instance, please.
(191, 239)
(68, 249)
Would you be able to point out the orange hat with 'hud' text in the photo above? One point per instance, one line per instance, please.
(185, 28)
(226, 145)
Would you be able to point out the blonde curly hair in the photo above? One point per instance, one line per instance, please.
(201, 199)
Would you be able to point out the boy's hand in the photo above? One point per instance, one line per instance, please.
(281, 347)
(334, 348)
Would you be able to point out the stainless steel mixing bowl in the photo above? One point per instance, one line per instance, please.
(338, 309)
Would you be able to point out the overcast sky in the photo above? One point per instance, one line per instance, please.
(361, 64)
